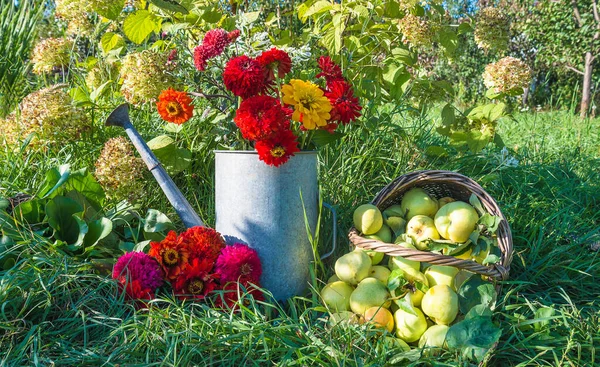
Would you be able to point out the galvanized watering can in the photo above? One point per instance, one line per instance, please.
(268, 208)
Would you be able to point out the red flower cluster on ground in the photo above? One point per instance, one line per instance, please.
(214, 43)
(195, 263)
(345, 106)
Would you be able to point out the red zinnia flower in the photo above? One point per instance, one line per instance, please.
(329, 70)
(345, 105)
(201, 57)
(244, 76)
(278, 149)
(214, 43)
(261, 117)
(171, 254)
(134, 291)
(275, 60)
(238, 263)
(174, 106)
(232, 292)
(202, 243)
(195, 281)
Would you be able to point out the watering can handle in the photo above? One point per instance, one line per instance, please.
(334, 238)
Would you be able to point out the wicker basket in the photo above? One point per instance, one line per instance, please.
(439, 184)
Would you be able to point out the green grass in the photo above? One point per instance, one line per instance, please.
(58, 311)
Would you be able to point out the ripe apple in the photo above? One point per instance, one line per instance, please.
(455, 221)
(417, 202)
(416, 296)
(353, 267)
(384, 233)
(380, 317)
(333, 278)
(375, 256)
(465, 255)
(440, 303)
(410, 327)
(445, 200)
(434, 339)
(421, 228)
(379, 272)
(398, 262)
(336, 296)
(370, 292)
(368, 219)
(439, 274)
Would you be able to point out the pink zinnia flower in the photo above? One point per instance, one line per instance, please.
(238, 263)
(214, 43)
(138, 267)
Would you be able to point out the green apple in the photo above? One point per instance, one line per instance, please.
(396, 224)
(353, 267)
(416, 296)
(421, 228)
(445, 200)
(440, 303)
(384, 233)
(393, 211)
(369, 293)
(439, 274)
(375, 256)
(379, 272)
(390, 343)
(434, 339)
(344, 317)
(380, 317)
(465, 255)
(368, 219)
(417, 202)
(333, 278)
(336, 296)
(398, 262)
(455, 221)
(408, 326)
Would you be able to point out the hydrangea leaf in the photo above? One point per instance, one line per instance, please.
(140, 24)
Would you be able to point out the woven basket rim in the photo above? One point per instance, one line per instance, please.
(401, 184)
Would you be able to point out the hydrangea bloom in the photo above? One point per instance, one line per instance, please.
(119, 171)
(418, 31)
(507, 75)
(9, 130)
(492, 29)
(145, 75)
(51, 53)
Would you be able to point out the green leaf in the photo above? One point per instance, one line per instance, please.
(448, 117)
(140, 24)
(496, 112)
(30, 211)
(109, 9)
(96, 93)
(476, 291)
(61, 212)
(170, 5)
(251, 17)
(491, 259)
(490, 222)
(498, 141)
(396, 280)
(543, 315)
(4, 204)
(55, 178)
(404, 56)
(85, 183)
(321, 137)
(172, 158)
(436, 151)
(83, 230)
(317, 8)
(479, 310)
(97, 230)
(464, 28)
(111, 41)
(405, 304)
(473, 337)
(476, 203)
(8, 253)
(449, 41)
(492, 94)
(156, 221)
(421, 286)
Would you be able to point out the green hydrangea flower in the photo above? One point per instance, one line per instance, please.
(507, 75)
(51, 53)
(492, 29)
(145, 74)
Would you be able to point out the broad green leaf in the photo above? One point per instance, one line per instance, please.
(30, 211)
(170, 5)
(172, 158)
(83, 230)
(405, 304)
(96, 93)
(449, 41)
(464, 27)
(80, 97)
(477, 140)
(55, 178)
(479, 310)
(421, 286)
(474, 337)
(61, 213)
(476, 203)
(8, 253)
(396, 280)
(251, 17)
(109, 9)
(321, 137)
(140, 24)
(491, 259)
(491, 222)
(476, 291)
(111, 41)
(97, 230)
(173, 128)
(496, 112)
(141, 246)
(126, 246)
(4, 203)
(498, 141)
(448, 117)
(317, 8)
(85, 183)
(156, 221)
(543, 315)
(436, 151)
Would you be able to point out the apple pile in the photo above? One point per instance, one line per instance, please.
(417, 302)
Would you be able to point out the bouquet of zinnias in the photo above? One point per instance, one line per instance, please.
(272, 112)
(195, 263)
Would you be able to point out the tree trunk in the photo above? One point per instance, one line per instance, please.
(587, 86)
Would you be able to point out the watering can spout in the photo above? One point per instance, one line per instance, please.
(120, 117)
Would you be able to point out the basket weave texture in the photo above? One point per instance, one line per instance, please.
(439, 184)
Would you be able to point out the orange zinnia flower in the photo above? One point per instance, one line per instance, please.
(174, 106)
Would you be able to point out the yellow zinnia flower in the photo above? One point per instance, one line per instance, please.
(311, 107)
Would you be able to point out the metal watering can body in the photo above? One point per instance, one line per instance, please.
(268, 208)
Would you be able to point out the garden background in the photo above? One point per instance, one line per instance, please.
(417, 83)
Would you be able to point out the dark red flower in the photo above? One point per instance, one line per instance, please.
(195, 282)
(261, 117)
(233, 291)
(329, 70)
(201, 57)
(233, 35)
(278, 149)
(330, 127)
(244, 76)
(345, 105)
(275, 60)
(238, 263)
(135, 291)
(171, 254)
(214, 43)
(202, 243)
